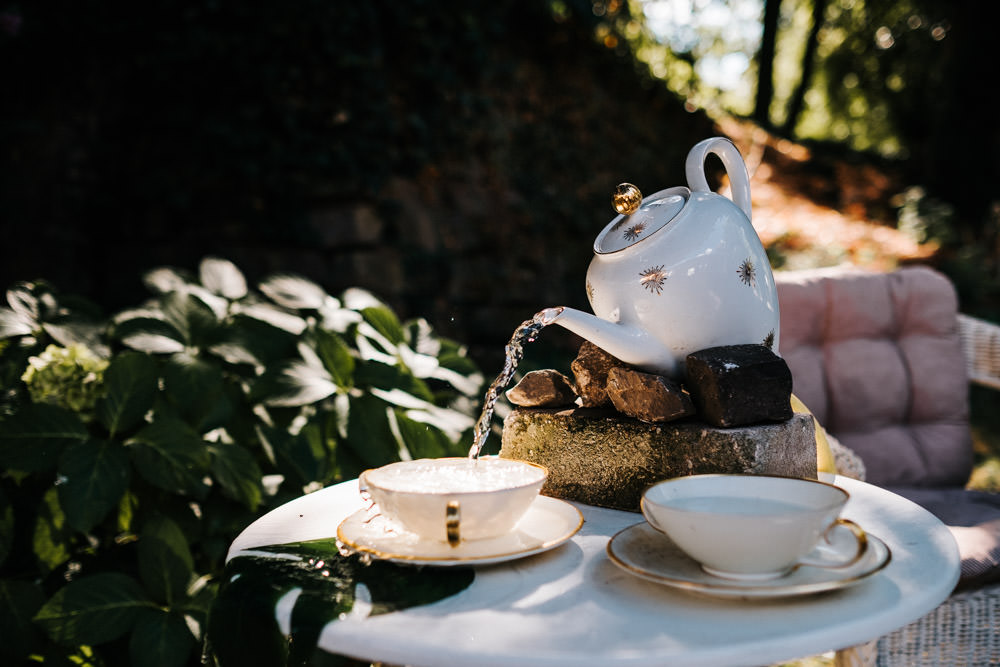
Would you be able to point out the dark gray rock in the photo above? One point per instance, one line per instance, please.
(647, 397)
(590, 370)
(599, 457)
(543, 389)
(734, 385)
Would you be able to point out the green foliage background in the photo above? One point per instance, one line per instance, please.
(214, 402)
(143, 134)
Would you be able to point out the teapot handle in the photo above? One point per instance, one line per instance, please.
(733, 162)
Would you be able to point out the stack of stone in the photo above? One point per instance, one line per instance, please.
(613, 430)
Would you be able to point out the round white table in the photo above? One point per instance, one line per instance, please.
(572, 606)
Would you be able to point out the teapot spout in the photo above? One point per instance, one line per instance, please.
(629, 343)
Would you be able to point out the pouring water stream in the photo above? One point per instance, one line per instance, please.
(525, 333)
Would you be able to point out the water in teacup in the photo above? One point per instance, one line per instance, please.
(428, 476)
(737, 505)
(526, 332)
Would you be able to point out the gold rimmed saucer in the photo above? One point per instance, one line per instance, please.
(645, 552)
(548, 523)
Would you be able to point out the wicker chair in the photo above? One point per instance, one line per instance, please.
(907, 422)
(965, 630)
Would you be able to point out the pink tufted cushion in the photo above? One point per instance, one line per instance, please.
(877, 358)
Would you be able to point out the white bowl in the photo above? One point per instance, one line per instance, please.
(454, 499)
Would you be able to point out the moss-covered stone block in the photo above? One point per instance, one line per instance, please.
(600, 457)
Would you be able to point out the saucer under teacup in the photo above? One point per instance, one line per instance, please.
(548, 523)
(648, 554)
(755, 527)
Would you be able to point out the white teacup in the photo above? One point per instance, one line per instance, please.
(454, 499)
(754, 527)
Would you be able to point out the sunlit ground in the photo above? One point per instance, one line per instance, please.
(802, 233)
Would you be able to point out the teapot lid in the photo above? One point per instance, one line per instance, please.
(639, 218)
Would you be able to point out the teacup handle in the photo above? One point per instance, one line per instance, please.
(739, 179)
(366, 497)
(859, 536)
(452, 521)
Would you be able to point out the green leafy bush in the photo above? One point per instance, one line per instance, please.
(135, 448)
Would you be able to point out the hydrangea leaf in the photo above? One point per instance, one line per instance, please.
(23, 301)
(165, 561)
(247, 339)
(293, 384)
(19, 601)
(14, 324)
(369, 434)
(389, 378)
(293, 454)
(79, 332)
(422, 440)
(165, 280)
(276, 317)
(131, 383)
(293, 291)
(93, 609)
(336, 356)
(198, 391)
(160, 639)
(195, 319)
(32, 438)
(93, 476)
(150, 334)
(171, 456)
(221, 276)
(52, 538)
(385, 322)
(237, 472)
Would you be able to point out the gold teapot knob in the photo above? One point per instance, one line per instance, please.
(626, 198)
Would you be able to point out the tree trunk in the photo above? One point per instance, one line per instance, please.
(765, 63)
(808, 65)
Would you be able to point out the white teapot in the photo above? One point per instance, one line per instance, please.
(679, 271)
